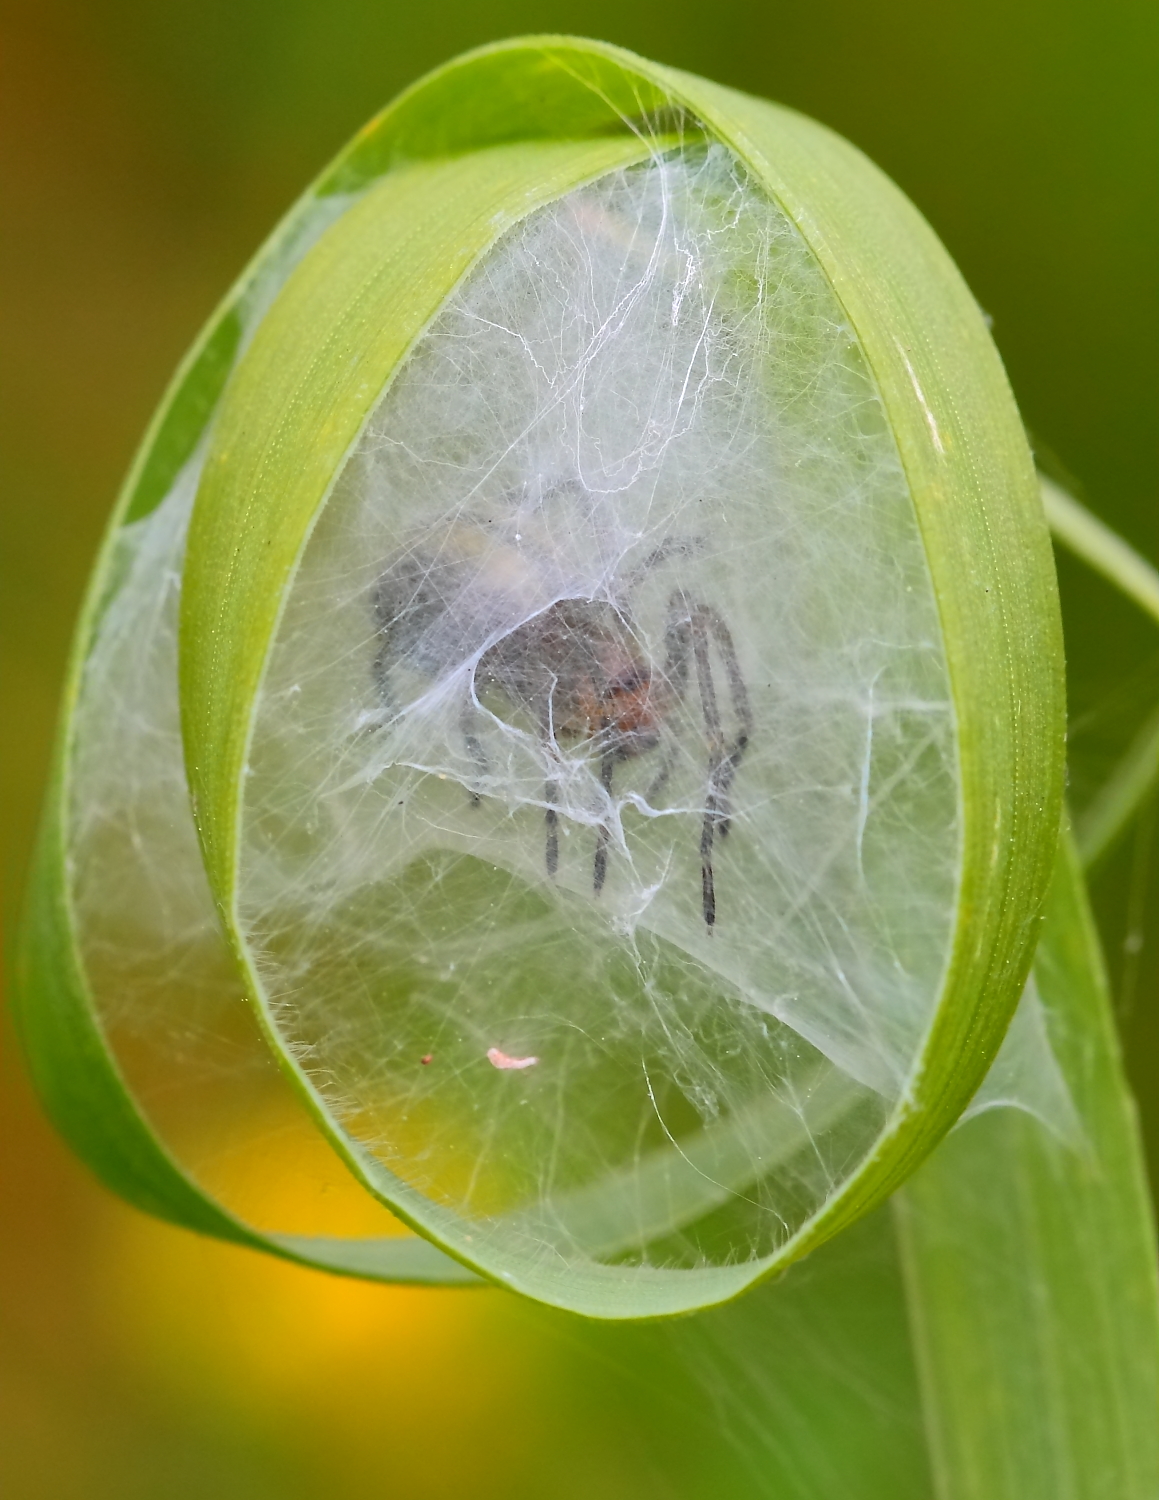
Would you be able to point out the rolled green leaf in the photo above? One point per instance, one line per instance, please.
(621, 683)
(620, 679)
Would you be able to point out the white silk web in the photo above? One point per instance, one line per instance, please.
(625, 557)
(608, 725)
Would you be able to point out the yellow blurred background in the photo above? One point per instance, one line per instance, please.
(147, 149)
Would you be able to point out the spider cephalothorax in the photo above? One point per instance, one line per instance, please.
(576, 669)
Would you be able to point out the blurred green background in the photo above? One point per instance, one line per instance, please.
(147, 149)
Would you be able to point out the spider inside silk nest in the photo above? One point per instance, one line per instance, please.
(573, 664)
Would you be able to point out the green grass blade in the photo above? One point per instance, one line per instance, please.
(804, 1389)
(1136, 775)
(1110, 811)
(1101, 548)
(1031, 1268)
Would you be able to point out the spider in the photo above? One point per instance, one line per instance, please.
(574, 666)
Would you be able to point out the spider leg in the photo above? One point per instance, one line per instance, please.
(741, 708)
(384, 659)
(474, 750)
(673, 546)
(674, 682)
(678, 644)
(381, 673)
(707, 886)
(551, 825)
(706, 627)
(607, 769)
(698, 630)
(550, 795)
(660, 781)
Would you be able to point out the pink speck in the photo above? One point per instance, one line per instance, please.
(499, 1059)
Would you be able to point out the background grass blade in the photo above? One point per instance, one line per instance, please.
(1137, 774)
(1031, 1272)
(1121, 796)
(1101, 548)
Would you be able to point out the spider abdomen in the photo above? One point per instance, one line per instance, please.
(578, 671)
